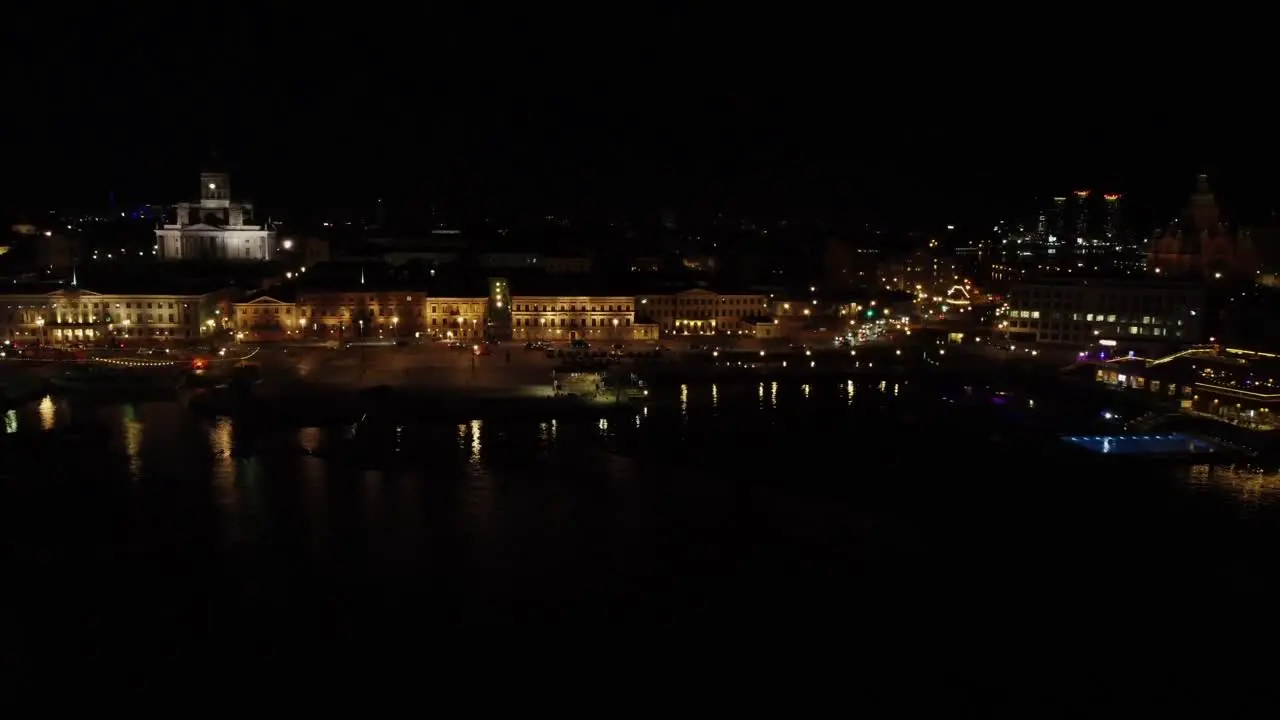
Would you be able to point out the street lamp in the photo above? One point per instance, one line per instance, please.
(40, 329)
(395, 325)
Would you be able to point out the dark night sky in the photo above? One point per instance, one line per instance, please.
(800, 114)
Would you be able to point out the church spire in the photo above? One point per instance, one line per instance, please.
(362, 275)
(1203, 207)
(73, 275)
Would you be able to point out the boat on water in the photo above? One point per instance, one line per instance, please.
(100, 379)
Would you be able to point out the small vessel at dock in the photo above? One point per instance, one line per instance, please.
(101, 379)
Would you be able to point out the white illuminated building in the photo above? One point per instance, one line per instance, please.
(216, 228)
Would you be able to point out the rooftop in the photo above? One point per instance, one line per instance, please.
(150, 283)
(286, 293)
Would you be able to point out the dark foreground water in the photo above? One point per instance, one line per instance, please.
(768, 526)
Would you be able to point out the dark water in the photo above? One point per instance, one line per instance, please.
(736, 519)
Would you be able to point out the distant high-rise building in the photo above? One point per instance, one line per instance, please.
(1056, 222)
(1080, 221)
(1114, 229)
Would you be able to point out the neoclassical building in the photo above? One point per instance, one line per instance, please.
(74, 315)
(360, 312)
(456, 317)
(537, 317)
(215, 228)
(703, 312)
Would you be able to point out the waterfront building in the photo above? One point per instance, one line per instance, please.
(573, 317)
(458, 317)
(456, 309)
(268, 315)
(74, 315)
(703, 312)
(1235, 385)
(1083, 312)
(215, 228)
(361, 312)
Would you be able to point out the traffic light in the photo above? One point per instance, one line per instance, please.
(871, 313)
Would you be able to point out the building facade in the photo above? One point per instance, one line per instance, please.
(360, 313)
(78, 316)
(456, 318)
(215, 228)
(1200, 243)
(703, 312)
(573, 317)
(333, 314)
(1237, 386)
(1085, 312)
(925, 271)
(268, 318)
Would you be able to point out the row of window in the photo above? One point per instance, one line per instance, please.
(1096, 317)
(723, 300)
(21, 318)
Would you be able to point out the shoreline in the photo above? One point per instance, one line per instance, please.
(319, 406)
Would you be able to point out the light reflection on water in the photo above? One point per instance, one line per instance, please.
(164, 441)
(226, 493)
(11, 421)
(133, 429)
(315, 499)
(48, 413)
(1250, 486)
(479, 492)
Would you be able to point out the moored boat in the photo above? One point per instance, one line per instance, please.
(97, 379)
